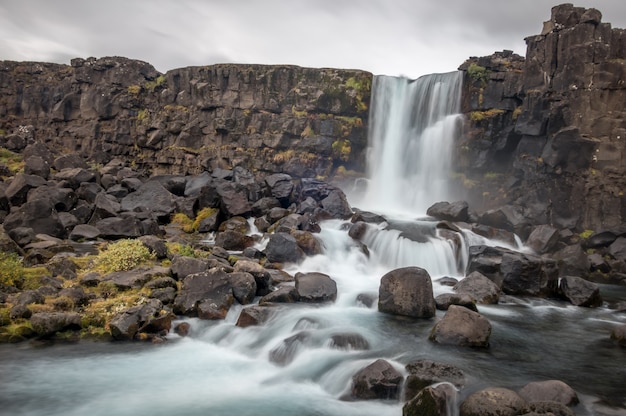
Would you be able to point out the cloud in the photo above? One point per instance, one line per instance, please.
(382, 36)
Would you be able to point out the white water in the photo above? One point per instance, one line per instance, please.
(223, 370)
(413, 127)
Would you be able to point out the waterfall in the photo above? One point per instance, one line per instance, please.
(413, 126)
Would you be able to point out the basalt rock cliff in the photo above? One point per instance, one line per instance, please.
(301, 121)
(546, 134)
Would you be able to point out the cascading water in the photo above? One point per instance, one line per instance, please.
(413, 126)
(289, 365)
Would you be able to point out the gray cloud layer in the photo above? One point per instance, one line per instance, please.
(395, 37)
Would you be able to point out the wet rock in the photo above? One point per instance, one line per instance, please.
(618, 249)
(407, 291)
(125, 325)
(254, 315)
(448, 281)
(337, 205)
(284, 294)
(423, 373)
(283, 248)
(315, 287)
(233, 240)
(572, 261)
(463, 327)
(444, 301)
(431, 401)
(619, 334)
(358, 230)
(549, 390)
(549, 409)
(287, 350)
(307, 242)
(580, 292)
(479, 287)
(367, 217)
(446, 211)
(493, 401)
(379, 380)
(46, 324)
(528, 275)
(264, 205)
(349, 341)
(182, 329)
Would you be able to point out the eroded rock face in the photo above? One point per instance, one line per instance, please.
(300, 121)
(546, 132)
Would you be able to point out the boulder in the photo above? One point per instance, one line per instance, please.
(126, 324)
(617, 249)
(528, 275)
(379, 380)
(337, 205)
(431, 401)
(207, 295)
(580, 292)
(183, 266)
(254, 315)
(493, 401)
(83, 232)
(262, 277)
(315, 287)
(310, 245)
(283, 248)
(281, 187)
(136, 278)
(37, 166)
(543, 239)
(423, 373)
(39, 215)
(463, 327)
(46, 324)
(244, 287)
(349, 341)
(549, 408)
(153, 197)
(407, 291)
(444, 301)
(287, 350)
(155, 245)
(233, 199)
(75, 176)
(549, 390)
(479, 287)
(17, 190)
(233, 240)
(126, 226)
(619, 334)
(284, 294)
(446, 211)
(572, 260)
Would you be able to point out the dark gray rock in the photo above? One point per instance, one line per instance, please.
(479, 287)
(444, 301)
(580, 292)
(379, 380)
(431, 401)
(407, 291)
(493, 401)
(463, 327)
(46, 324)
(183, 266)
(446, 211)
(207, 295)
(423, 373)
(315, 287)
(254, 315)
(262, 277)
(283, 248)
(337, 205)
(549, 390)
(244, 287)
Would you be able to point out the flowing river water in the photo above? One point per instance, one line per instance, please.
(221, 369)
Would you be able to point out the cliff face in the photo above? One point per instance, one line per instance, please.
(547, 134)
(302, 121)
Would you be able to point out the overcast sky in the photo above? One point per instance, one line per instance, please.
(392, 37)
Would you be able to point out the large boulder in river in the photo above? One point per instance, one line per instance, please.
(494, 401)
(315, 287)
(407, 291)
(423, 373)
(431, 401)
(463, 327)
(379, 380)
(580, 292)
(337, 205)
(549, 390)
(479, 287)
(455, 211)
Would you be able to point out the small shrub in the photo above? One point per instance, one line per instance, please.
(585, 234)
(122, 255)
(134, 89)
(478, 73)
(13, 161)
(11, 270)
